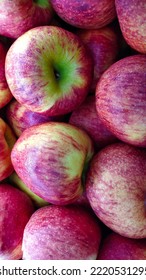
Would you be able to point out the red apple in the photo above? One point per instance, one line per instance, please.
(61, 233)
(117, 247)
(116, 187)
(14, 180)
(5, 94)
(121, 99)
(103, 46)
(49, 70)
(17, 16)
(86, 117)
(7, 140)
(20, 118)
(51, 159)
(132, 18)
(16, 209)
(85, 14)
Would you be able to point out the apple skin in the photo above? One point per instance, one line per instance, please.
(86, 118)
(117, 247)
(49, 70)
(20, 118)
(14, 180)
(61, 233)
(115, 188)
(132, 19)
(7, 141)
(16, 209)
(5, 94)
(51, 159)
(103, 46)
(85, 14)
(18, 16)
(121, 99)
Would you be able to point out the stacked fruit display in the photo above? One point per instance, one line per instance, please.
(73, 130)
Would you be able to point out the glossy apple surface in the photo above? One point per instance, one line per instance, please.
(86, 117)
(103, 46)
(121, 99)
(61, 233)
(116, 186)
(51, 159)
(16, 209)
(48, 70)
(117, 247)
(17, 16)
(85, 14)
(132, 18)
(5, 94)
(20, 118)
(7, 141)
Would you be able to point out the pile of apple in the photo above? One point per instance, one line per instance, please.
(72, 129)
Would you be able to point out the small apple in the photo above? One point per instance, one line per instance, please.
(85, 14)
(5, 94)
(132, 19)
(17, 16)
(61, 233)
(7, 140)
(20, 118)
(116, 187)
(49, 70)
(117, 247)
(51, 159)
(14, 180)
(103, 46)
(121, 99)
(86, 117)
(16, 209)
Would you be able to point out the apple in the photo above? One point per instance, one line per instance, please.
(49, 70)
(121, 99)
(16, 209)
(117, 247)
(103, 46)
(52, 159)
(14, 180)
(85, 14)
(17, 16)
(86, 118)
(7, 141)
(5, 94)
(116, 187)
(132, 19)
(20, 118)
(61, 233)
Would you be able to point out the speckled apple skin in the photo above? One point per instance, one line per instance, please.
(18, 16)
(115, 188)
(86, 117)
(85, 14)
(5, 94)
(32, 61)
(50, 158)
(132, 18)
(16, 209)
(117, 247)
(121, 99)
(61, 233)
